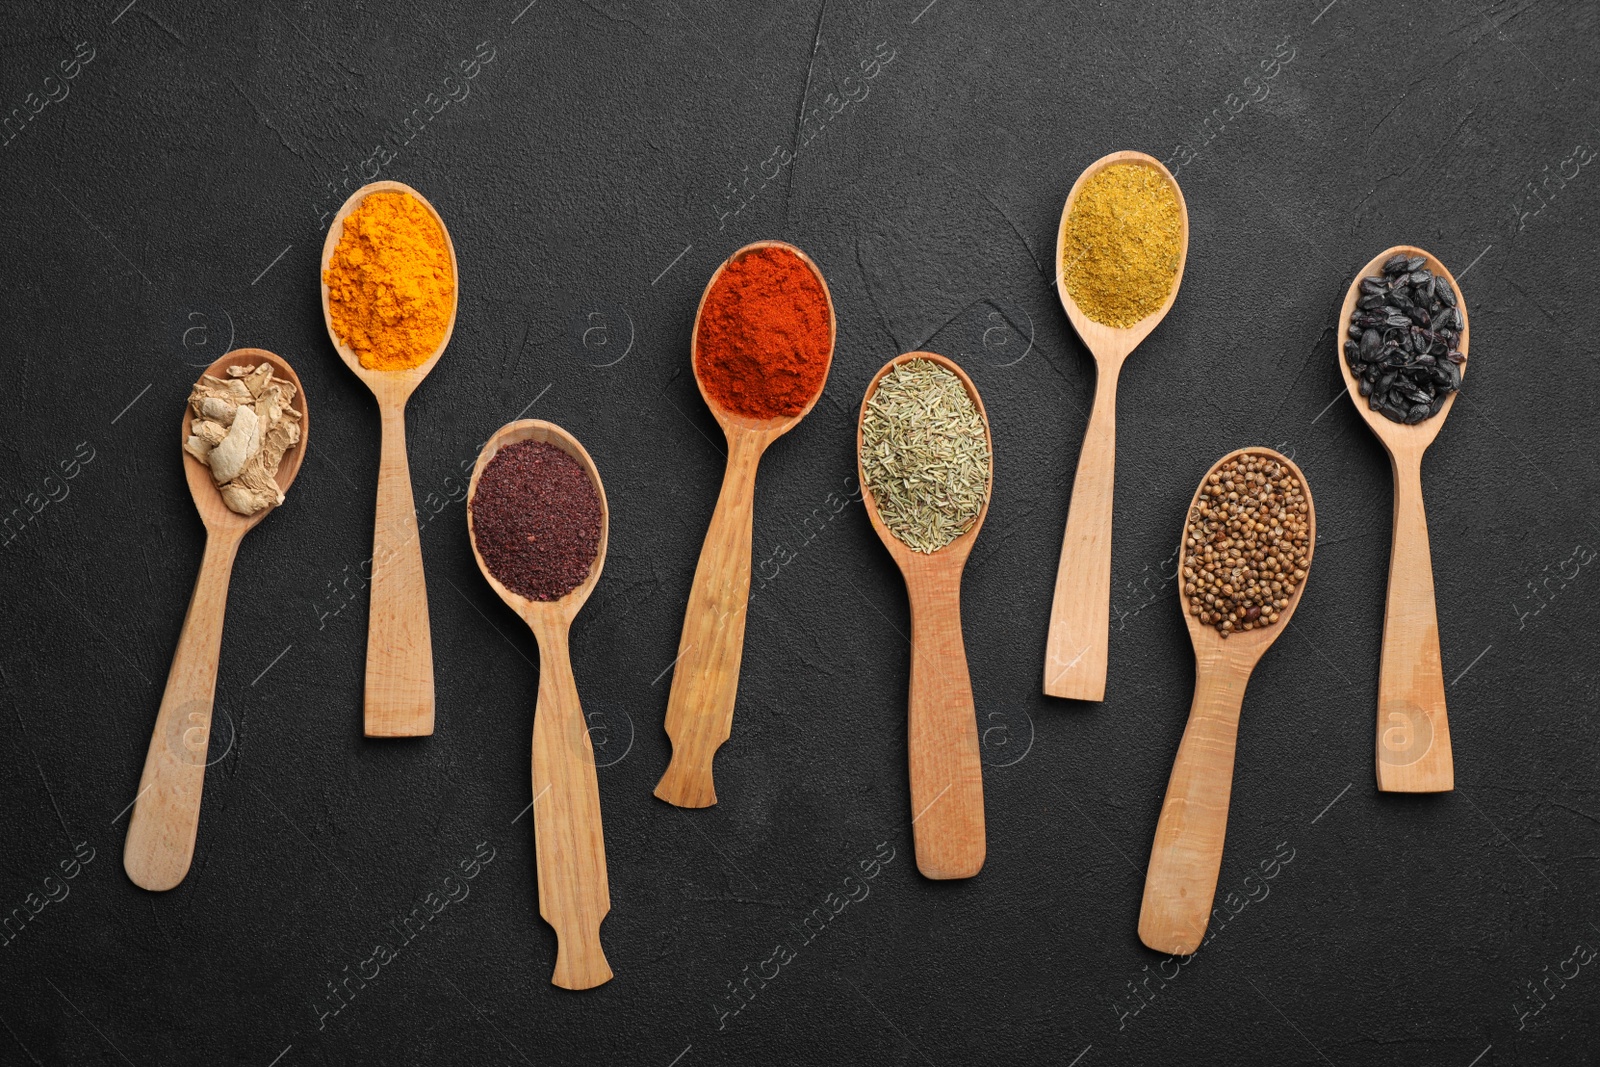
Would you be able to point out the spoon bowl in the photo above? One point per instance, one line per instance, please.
(731, 421)
(166, 810)
(961, 547)
(542, 432)
(1397, 436)
(1245, 646)
(207, 494)
(384, 383)
(946, 771)
(1080, 611)
(1181, 880)
(1413, 733)
(1116, 342)
(574, 894)
(705, 676)
(399, 696)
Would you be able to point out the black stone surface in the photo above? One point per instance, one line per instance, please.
(171, 202)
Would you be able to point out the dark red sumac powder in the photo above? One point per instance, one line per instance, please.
(536, 520)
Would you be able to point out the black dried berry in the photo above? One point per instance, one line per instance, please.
(1371, 345)
(1402, 340)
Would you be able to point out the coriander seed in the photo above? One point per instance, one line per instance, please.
(1247, 544)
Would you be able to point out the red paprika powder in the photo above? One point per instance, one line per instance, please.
(765, 335)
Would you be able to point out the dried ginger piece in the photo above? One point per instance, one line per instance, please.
(242, 442)
(242, 427)
(254, 380)
(253, 490)
(204, 435)
(218, 410)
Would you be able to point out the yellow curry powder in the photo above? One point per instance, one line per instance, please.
(1119, 257)
(391, 287)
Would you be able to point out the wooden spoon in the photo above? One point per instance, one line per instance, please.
(705, 678)
(399, 681)
(947, 826)
(1413, 746)
(1181, 880)
(1080, 612)
(166, 810)
(574, 895)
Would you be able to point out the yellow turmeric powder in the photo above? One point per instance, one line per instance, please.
(1119, 256)
(391, 285)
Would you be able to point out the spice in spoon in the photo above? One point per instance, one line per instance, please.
(1403, 337)
(391, 285)
(536, 520)
(242, 426)
(925, 455)
(765, 335)
(1123, 240)
(1247, 544)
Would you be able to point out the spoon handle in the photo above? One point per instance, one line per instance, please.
(1080, 612)
(574, 895)
(947, 825)
(1184, 861)
(1413, 746)
(166, 810)
(705, 678)
(399, 682)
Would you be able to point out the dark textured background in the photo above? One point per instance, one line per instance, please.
(174, 202)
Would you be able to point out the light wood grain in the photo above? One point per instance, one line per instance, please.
(166, 811)
(705, 675)
(1181, 881)
(1413, 735)
(399, 695)
(1080, 609)
(574, 894)
(399, 676)
(946, 771)
(705, 679)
